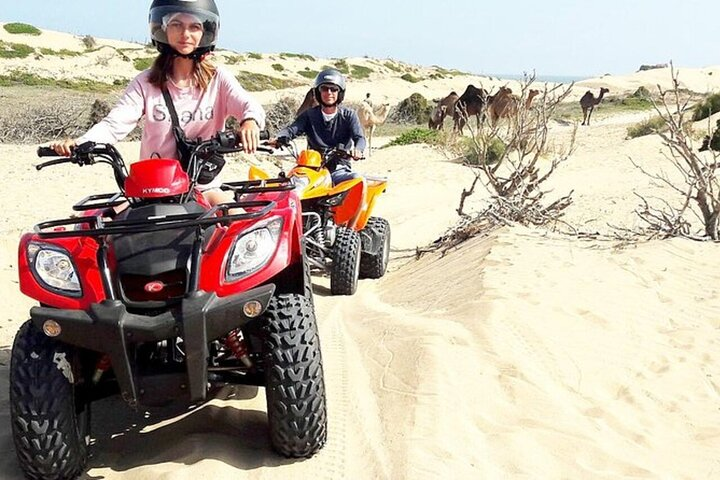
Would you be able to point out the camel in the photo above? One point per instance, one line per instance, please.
(504, 104)
(473, 101)
(588, 102)
(445, 105)
(370, 119)
(307, 103)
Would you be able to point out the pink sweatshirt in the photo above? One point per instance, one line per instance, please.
(201, 114)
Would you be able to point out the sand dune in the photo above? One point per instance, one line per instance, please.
(524, 354)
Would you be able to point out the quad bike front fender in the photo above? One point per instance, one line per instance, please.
(347, 212)
(256, 173)
(374, 187)
(108, 327)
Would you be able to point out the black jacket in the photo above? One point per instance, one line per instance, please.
(343, 131)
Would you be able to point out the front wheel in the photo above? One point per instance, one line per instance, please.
(50, 425)
(345, 269)
(295, 388)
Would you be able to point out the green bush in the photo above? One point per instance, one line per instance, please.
(255, 56)
(277, 67)
(255, 82)
(21, 28)
(416, 135)
(707, 107)
(15, 50)
(308, 73)
(360, 71)
(302, 56)
(414, 109)
(143, 63)
(390, 65)
(234, 59)
(342, 66)
(60, 53)
(646, 127)
(18, 77)
(409, 77)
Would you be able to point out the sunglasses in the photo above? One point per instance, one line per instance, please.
(327, 88)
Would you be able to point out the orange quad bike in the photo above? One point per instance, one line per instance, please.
(342, 237)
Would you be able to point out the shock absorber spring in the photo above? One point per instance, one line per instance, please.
(235, 342)
(102, 366)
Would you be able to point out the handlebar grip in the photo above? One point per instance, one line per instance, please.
(264, 135)
(47, 152)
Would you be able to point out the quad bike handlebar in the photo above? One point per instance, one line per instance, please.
(89, 153)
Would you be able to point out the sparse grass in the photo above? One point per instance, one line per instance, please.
(391, 65)
(302, 56)
(255, 82)
(18, 77)
(277, 67)
(409, 77)
(60, 53)
(360, 71)
(308, 73)
(707, 107)
(255, 56)
(646, 127)
(342, 66)
(21, 28)
(15, 50)
(416, 135)
(233, 59)
(143, 63)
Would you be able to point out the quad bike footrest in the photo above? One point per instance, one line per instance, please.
(107, 327)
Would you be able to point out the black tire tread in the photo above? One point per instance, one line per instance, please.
(295, 387)
(42, 409)
(344, 273)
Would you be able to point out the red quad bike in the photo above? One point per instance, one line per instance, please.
(168, 300)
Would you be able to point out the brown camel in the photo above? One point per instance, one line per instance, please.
(444, 107)
(504, 104)
(588, 102)
(308, 102)
(370, 119)
(472, 102)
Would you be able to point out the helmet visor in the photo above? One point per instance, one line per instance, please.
(167, 18)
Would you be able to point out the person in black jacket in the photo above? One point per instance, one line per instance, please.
(328, 125)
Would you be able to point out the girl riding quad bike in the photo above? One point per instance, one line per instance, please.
(342, 237)
(167, 300)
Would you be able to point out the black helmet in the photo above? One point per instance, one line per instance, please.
(329, 76)
(162, 11)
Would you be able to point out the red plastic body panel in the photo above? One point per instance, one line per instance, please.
(156, 178)
(83, 251)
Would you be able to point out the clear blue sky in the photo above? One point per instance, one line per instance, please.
(553, 37)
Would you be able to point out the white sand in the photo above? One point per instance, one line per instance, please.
(523, 355)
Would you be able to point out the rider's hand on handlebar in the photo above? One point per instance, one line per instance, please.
(64, 147)
(278, 142)
(357, 154)
(249, 135)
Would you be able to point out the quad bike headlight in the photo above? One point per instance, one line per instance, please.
(253, 249)
(54, 268)
(300, 183)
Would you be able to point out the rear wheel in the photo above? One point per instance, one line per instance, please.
(374, 265)
(50, 422)
(295, 387)
(345, 269)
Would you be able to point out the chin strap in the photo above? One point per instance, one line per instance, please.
(198, 55)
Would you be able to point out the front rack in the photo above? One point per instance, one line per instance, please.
(279, 184)
(97, 225)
